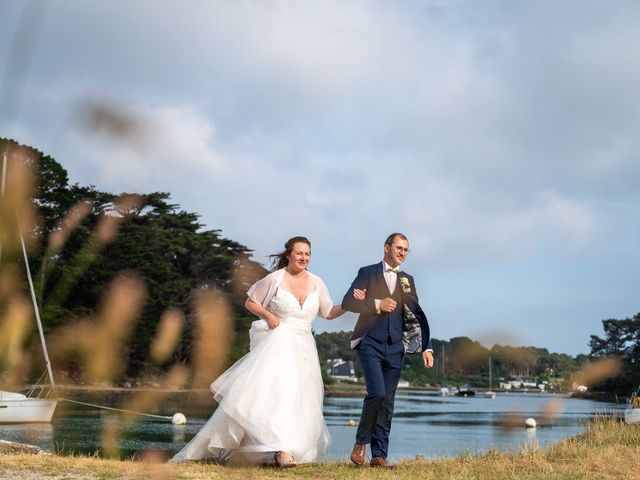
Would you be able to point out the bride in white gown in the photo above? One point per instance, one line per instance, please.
(270, 401)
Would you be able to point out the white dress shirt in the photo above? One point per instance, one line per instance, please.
(391, 277)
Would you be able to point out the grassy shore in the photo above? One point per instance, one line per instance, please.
(608, 450)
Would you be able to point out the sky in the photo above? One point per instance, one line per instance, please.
(501, 137)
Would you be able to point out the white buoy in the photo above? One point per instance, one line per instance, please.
(351, 423)
(178, 419)
(530, 423)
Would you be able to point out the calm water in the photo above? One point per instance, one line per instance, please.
(424, 424)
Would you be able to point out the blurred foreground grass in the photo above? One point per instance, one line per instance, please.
(608, 449)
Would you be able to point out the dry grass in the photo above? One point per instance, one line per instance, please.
(608, 450)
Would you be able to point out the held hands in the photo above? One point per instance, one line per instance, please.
(427, 359)
(388, 305)
(273, 321)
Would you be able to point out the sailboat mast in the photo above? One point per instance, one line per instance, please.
(490, 383)
(28, 270)
(36, 310)
(2, 186)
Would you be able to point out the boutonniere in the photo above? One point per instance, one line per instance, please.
(404, 283)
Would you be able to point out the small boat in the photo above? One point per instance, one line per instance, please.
(465, 391)
(489, 393)
(448, 391)
(444, 391)
(18, 408)
(632, 412)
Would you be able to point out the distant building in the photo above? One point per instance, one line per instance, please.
(521, 383)
(341, 369)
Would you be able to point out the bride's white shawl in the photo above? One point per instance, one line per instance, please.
(264, 289)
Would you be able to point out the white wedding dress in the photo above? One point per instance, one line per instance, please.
(271, 399)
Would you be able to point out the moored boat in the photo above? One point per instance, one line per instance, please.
(465, 391)
(490, 393)
(18, 408)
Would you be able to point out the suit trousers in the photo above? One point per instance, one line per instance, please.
(381, 365)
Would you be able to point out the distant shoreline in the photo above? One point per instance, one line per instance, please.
(330, 391)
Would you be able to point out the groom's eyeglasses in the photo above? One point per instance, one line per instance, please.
(400, 249)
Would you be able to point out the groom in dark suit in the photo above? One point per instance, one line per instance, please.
(390, 324)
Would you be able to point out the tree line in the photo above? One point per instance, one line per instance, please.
(621, 341)
(77, 251)
(461, 360)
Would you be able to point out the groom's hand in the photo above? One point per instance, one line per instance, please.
(427, 359)
(359, 294)
(388, 305)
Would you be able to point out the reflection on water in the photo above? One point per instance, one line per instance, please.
(437, 427)
(26, 433)
(424, 424)
(531, 438)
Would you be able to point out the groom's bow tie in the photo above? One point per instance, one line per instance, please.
(394, 269)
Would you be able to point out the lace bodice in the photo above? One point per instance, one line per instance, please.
(265, 289)
(299, 317)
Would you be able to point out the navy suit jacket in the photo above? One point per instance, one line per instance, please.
(407, 320)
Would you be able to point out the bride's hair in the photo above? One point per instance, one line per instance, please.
(280, 260)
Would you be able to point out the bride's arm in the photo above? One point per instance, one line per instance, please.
(262, 312)
(337, 310)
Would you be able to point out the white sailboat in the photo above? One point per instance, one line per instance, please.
(16, 407)
(444, 389)
(489, 393)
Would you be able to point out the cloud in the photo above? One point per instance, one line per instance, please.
(458, 224)
(169, 147)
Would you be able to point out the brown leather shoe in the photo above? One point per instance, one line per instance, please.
(358, 454)
(381, 462)
(284, 460)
